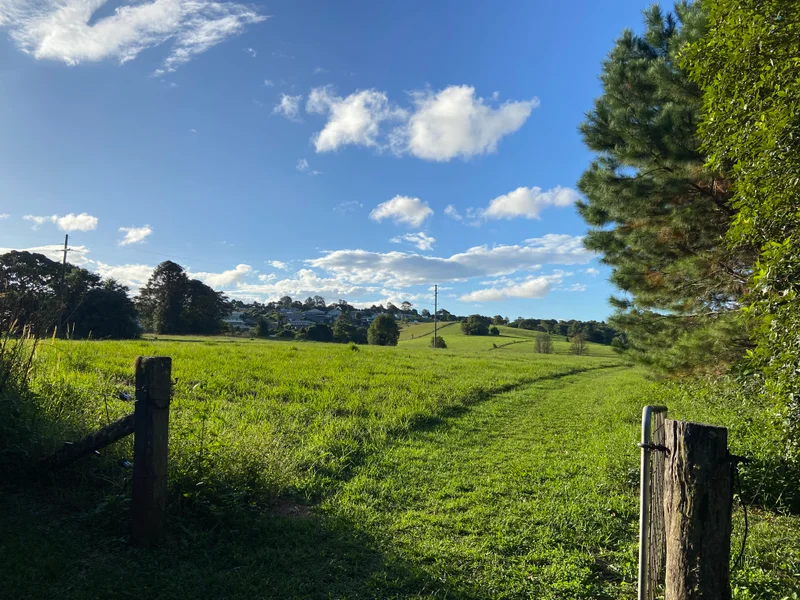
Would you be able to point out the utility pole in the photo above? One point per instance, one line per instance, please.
(61, 285)
(435, 311)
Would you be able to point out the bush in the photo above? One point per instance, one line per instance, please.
(383, 331)
(475, 325)
(438, 342)
(494, 330)
(262, 328)
(319, 332)
(543, 344)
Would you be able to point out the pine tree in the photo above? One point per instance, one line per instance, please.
(162, 299)
(658, 216)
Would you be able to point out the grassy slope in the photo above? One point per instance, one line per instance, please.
(394, 472)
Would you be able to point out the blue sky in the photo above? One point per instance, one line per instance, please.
(358, 150)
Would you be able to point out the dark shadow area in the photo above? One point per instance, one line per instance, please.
(54, 549)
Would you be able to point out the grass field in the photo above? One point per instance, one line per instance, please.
(304, 470)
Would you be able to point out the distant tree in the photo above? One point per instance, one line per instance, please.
(494, 330)
(161, 300)
(383, 331)
(499, 320)
(391, 308)
(578, 345)
(319, 302)
(262, 328)
(359, 336)
(286, 302)
(319, 332)
(438, 342)
(203, 310)
(309, 303)
(106, 312)
(543, 344)
(475, 325)
(343, 330)
(426, 313)
(406, 306)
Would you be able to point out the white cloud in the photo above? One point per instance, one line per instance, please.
(575, 287)
(402, 209)
(355, 119)
(302, 165)
(420, 240)
(134, 276)
(4, 216)
(528, 202)
(452, 212)
(454, 123)
(251, 52)
(70, 222)
(269, 83)
(77, 254)
(278, 264)
(224, 279)
(318, 70)
(347, 207)
(60, 29)
(134, 235)
(289, 107)
(400, 269)
(592, 272)
(531, 287)
(304, 283)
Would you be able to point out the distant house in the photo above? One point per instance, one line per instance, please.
(334, 313)
(236, 321)
(316, 315)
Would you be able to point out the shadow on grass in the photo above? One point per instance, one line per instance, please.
(50, 549)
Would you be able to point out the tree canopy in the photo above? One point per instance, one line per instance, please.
(658, 215)
(383, 331)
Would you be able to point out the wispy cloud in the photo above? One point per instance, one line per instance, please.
(347, 207)
(134, 235)
(453, 213)
(303, 166)
(421, 240)
(402, 209)
(251, 52)
(61, 30)
(278, 264)
(70, 222)
(289, 107)
(4, 216)
(269, 83)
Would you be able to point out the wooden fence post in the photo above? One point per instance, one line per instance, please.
(151, 422)
(698, 501)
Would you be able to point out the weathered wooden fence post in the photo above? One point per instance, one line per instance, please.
(698, 501)
(151, 422)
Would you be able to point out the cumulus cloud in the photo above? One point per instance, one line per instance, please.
(134, 276)
(224, 279)
(77, 254)
(401, 269)
(420, 240)
(61, 30)
(355, 119)
(70, 222)
(528, 202)
(289, 107)
(304, 283)
(453, 213)
(134, 235)
(592, 272)
(4, 216)
(531, 287)
(402, 209)
(455, 123)
(278, 264)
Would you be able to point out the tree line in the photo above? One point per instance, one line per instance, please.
(692, 197)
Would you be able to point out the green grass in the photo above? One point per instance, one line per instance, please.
(304, 470)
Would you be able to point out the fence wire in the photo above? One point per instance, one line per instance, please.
(656, 534)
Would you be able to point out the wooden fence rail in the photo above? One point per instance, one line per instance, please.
(150, 425)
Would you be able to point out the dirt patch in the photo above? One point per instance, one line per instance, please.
(287, 509)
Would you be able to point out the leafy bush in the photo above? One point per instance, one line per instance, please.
(543, 344)
(494, 330)
(438, 342)
(475, 325)
(383, 331)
